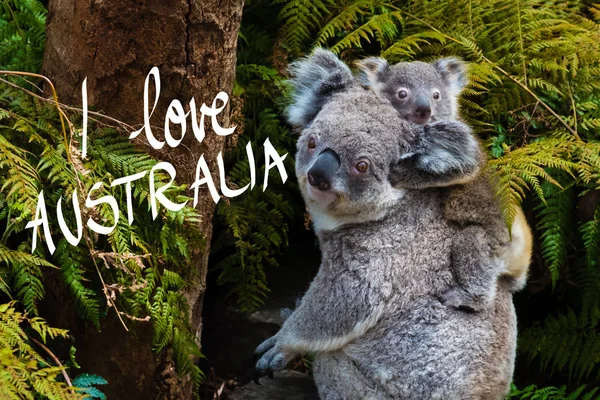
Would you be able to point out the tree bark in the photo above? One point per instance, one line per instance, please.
(115, 43)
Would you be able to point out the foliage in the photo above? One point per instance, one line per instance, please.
(532, 392)
(522, 67)
(22, 35)
(24, 373)
(254, 226)
(555, 223)
(139, 270)
(86, 384)
(568, 342)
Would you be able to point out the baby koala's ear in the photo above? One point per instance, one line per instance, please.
(454, 72)
(314, 79)
(372, 70)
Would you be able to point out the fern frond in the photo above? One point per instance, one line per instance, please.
(24, 374)
(300, 18)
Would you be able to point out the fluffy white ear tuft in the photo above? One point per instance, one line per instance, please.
(454, 71)
(314, 79)
(370, 70)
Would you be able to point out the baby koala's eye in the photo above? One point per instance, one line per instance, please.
(312, 143)
(362, 166)
(402, 94)
(436, 95)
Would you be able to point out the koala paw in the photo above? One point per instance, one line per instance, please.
(461, 299)
(272, 357)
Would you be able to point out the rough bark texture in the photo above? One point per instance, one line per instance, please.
(114, 44)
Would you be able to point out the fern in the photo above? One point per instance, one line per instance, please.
(251, 230)
(344, 20)
(24, 373)
(554, 227)
(86, 384)
(23, 34)
(71, 260)
(552, 393)
(381, 27)
(568, 342)
(590, 235)
(256, 226)
(300, 18)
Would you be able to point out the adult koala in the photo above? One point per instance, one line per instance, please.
(373, 315)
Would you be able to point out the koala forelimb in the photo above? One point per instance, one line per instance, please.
(441, 154)
(349, 315)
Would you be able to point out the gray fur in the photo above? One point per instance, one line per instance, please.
(314, 79)
(373, 315)
(447, 76)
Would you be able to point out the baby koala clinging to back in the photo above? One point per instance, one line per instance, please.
(420, 92)
(425, 93)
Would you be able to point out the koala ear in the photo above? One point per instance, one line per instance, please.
(454, 71)
(314, 79)
(371, 70)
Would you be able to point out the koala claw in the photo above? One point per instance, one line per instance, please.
(265, 346)
(461, 299)
(272, 360)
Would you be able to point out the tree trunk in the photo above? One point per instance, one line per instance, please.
(115, 43)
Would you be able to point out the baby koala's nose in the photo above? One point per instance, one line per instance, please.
(320, 175)
(423, 112)
(422, 107)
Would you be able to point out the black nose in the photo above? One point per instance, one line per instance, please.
(422, 107)
(320, 175)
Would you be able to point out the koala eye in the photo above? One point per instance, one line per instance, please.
(436, 95)
(402, 94)
(362, 166)
(312, 142)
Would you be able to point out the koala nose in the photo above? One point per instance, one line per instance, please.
(422, 107)
(320, 175)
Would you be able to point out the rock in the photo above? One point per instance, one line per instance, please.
(229, 337)
(287, 385)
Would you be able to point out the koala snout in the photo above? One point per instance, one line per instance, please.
(320, 175)
(422, 107)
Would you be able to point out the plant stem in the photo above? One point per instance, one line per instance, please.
(56, 360)
(61, 113)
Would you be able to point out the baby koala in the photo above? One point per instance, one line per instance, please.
(420, 92)
(425, 93)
